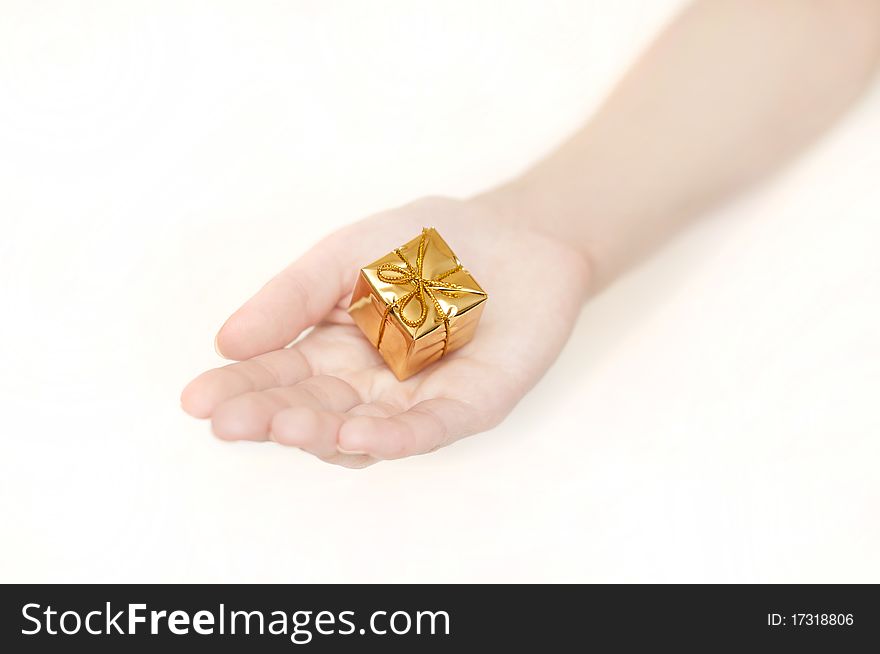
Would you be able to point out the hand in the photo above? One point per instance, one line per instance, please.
(330, 392)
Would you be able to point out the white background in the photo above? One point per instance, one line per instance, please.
(714, 417)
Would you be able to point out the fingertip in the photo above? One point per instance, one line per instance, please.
(240, 418)
(351, 435)
(194, 401)
(294, 426)
(217, 347)
(250, 332)
(231, 340)
(202, 395)
(351, 452)
(360, 434)
(312, 430)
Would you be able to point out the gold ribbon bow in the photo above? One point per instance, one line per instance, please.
(424, 289)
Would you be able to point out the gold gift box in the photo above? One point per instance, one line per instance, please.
(417, 303)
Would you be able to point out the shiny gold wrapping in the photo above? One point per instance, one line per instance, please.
(417, 303)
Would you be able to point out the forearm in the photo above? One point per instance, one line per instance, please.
(728, 92)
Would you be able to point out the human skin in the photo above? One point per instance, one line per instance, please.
(729, 92)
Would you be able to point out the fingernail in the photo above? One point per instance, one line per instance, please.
(352, 452)
(217, 346)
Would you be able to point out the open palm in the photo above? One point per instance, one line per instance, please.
(331, 394)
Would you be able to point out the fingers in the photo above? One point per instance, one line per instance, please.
(316, 432)
(307, 428)
(423, 428)
(323, 415)
(249, 416)
(280, 368)
(296, 298)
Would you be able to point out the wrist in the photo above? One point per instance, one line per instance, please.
(517, 205)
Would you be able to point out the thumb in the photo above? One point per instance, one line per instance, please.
(296, 298)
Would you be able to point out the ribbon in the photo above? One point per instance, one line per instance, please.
(423, 290)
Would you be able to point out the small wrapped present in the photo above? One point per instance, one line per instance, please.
(417, 303)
